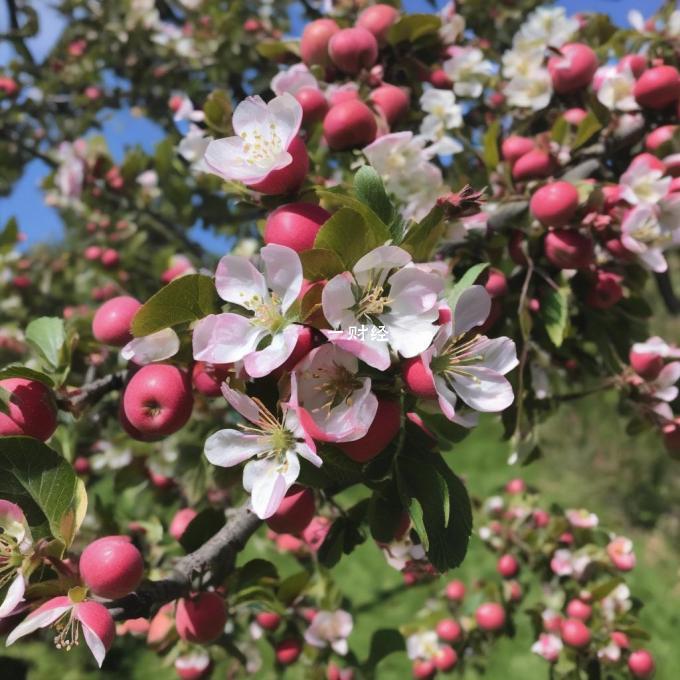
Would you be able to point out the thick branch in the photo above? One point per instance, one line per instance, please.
(90, 393)
(216, 556)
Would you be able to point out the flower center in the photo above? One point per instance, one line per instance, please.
(456, 355)
(337, 385)
(267, 313)
(372, 302)
(278, 437)
(261, 145)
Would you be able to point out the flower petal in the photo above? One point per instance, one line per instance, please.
(471, 309)
(237, 280)
(263, 362)
(380, 260)
(375, 353)
(155, 347)
(14, 596)
(287, 114)
(225, 338)
(95, 645)
(240, 401)
(268, 481)
(337, 298)
(42, 617)
(283, 273)
(227, 448)
(483, 390)
(499, 354)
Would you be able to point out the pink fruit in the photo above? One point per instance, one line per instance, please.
(440, 80)
(286, 180)
(348, 125)
(660, 136)
(313, 103)
(268, 620)
(578, 609)
(446, 658)
(208, 378)
(158, 400)
(449, 630)
(574, 70)
(507, 566)
(201, 618)
(641, 664)
(295, 225)
(555, 203)
(649, 160)
(658, 87)
(418, 378)
(288, 651)
(316, 531)
(637, 63)
(314, 42)
(490, 616)
(31, 409)
(110, 258)
(515, 486)
(111, 567)
(423, 670)
(535, 164)
(568, 249)
(112, 321)
(393, 102)
(606, 292)
(353, 49)
(295, 512)
(647, 365)
(574, 116)
(378, 19)
(514, 147)
(343, 94)
(516, 245)
(575, 633)
(496, 284)
(181, 521)
(382, 431)
(92, 253)
(455, 591)
(541, 518)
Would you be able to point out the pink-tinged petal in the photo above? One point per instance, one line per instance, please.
(250, 112)
(629, 243)
(14, 596)
(446, 397)
(12, 512)
(287, 114)
(471, 309)
(283, 273)
(42, 617)
(483, 390)
(348, 423)
(227, 448)
(99, 629)
(155, 347)
(410, 335)
(654, 259)
(499, 354)
(308, 453)
(340, 647)
(268, 482)
(13, 523)
(225, 338)
(414, 291)
(263, 362)
(293, 79)
(225, 158)
(669, 375)
(381, 260)
(240, 401)
(237, 280)
(336, 298)
(374, 353)
(292, 421)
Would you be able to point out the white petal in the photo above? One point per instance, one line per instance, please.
(155, 347)
(95, 645)
(35, 621)
(250, 112)
(225, 338)
(375, 353)
(225, 158)
(446, 397)
(14, 596)
(336, 298)
(268, 483)
(483, 390)
(283, 273)
(263, 362)
(414, 291)
(240, 401)
(287, 114)
(237, 280)
(471, 309)
(410, 335)
(340, 647)
(499, 354)
(382, 259)
(227, 448)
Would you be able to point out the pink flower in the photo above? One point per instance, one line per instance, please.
(582, 519)
(330, 628)
(620, 551)
(293, 79)
(548, 646)
(264, 131)
(16, 551)
(266, 294)
(68, 614)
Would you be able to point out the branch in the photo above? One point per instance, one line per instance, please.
(215, 557)
(90, 393)
(18, 41)
(665, 285)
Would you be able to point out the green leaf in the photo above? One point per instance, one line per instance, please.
(28, 373)
(334, 199)
(369, 189)
(47, 336)
(468, 279)
(274, 49)
(320, 263)
(44, 485)
(559, 130)
(350, 236)
(384, 642)
(490, 152)
(201, 528)
(413, 26)
(384, 514)
(218, 111)
(555, 314)
(603, 589)
(423, 237)
(439, 506)
(185, 299)
(291, 587)
(9, 235)
(588, 127)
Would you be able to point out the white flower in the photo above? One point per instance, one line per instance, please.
(384, 291)
(192, 148)
(657, 345)
(548, 646)
(523, 62)
(533, 91)
(617, 602)
(330, 628)
(293, 79)
(673, 27)
(400, 552)
(16, 549)
(71, 171)
(338, 401)
(616, 88)
(467, 69)
(663, 387)
(610, 653)
(423, 645)
(636, 20)
(453, 24)
(263, 134)
(443, 115)
(270, 445)
(546, 26)
(150, 348)
(582, 519)
(643, 184)
(266, 296)
(566, 563)
(185, 110)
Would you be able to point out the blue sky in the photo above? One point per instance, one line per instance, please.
(40, 223)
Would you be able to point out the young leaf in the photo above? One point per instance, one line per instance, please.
(320, 263)
(422, 238)
(24, 372)
(369, 189)
(468, 279)
(47, 336)
(490, 146)
(185, 299)
(555, 314)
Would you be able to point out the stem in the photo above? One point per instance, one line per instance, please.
(90, 393)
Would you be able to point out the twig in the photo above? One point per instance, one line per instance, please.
(218, 554)
(90, 393)
(18, 41)
(665, 285)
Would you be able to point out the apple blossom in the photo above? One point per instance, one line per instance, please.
(582, 519)
(273, 444)
(467, 68)
(615, 89)
(620, 552)
(148, 349)
(423, 645)
(443, 114)
(292, 80)
(548, 646)
(531, 91)
(546, 26)
(393, 299)
(16, 553)
(642, 183)
(330, 628)
(68, 614)
(267, 292)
